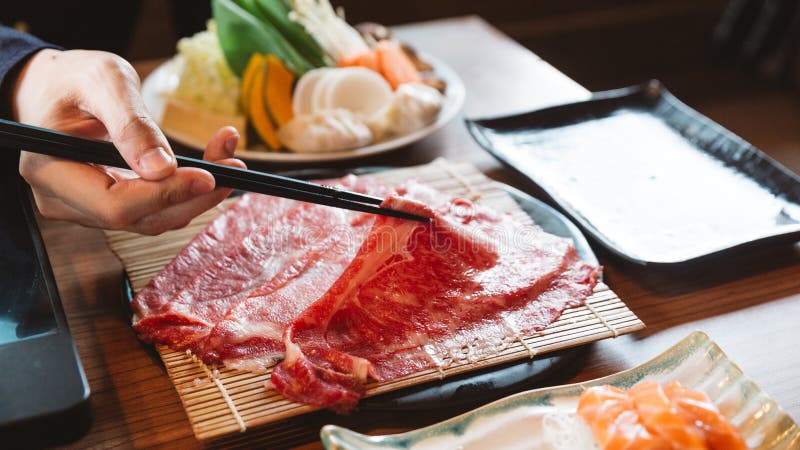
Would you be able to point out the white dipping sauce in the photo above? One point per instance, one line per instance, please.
(646, 188)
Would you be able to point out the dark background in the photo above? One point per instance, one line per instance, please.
(602, 44)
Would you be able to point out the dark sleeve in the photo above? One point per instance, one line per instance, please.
(15, 48)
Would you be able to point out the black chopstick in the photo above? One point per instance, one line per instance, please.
(54, 143)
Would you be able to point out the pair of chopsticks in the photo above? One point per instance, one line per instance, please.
(62, 145)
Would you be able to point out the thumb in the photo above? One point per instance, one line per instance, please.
(144, 147)
(118, 104)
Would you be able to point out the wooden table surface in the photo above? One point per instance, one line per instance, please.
(749, 303)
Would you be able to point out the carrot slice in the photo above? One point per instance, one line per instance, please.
(395, 65)
(368, 59)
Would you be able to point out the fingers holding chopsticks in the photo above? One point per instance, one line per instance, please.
(220, 150)
(107, 198)
(118, 104)
(96, 94)
(91, 94)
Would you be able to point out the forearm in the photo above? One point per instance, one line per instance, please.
(15, 48)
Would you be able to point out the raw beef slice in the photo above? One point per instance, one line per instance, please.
(418, 296)
(254, 246)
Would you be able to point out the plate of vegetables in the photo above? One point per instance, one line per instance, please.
(304, 84)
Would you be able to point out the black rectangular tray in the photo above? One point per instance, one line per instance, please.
(655, 101)
(43, 390)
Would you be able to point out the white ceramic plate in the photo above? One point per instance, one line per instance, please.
(163, 80)
(511, 423)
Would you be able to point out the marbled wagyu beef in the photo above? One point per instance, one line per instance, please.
(417, 295)
(343, 297)
(231, 291)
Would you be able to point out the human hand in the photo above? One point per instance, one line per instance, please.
(96, 95)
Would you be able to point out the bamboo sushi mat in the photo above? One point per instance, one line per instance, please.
(220, 401)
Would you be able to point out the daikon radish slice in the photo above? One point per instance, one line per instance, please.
(319, 97)
(304, 90)
(359, 90)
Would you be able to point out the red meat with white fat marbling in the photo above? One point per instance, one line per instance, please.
(272, 235)
(249, 337)
(157, 316)
(417, 296)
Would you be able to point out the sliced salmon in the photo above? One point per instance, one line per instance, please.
(655, 417)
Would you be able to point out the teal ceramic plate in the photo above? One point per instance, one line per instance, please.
(696, 362)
